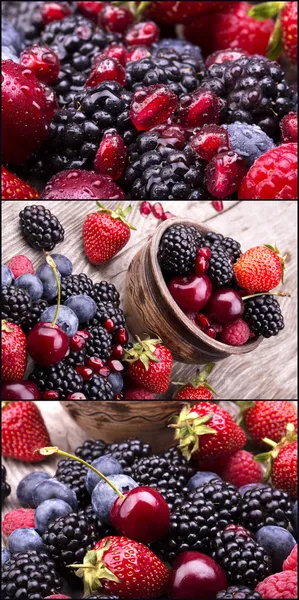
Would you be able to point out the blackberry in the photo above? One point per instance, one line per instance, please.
(15, 304)
(254, 91)
(26, 18)
(129, 451)
(107, 311)
(177, 251)
(106, 292)
(238, 593)
(98, 388)
(198, 236)
(263, 315)
(173, 498)
(5, 487)
(91, 450)
(243, 560)
(225, 498)
(73, 474)
(155, 471)
(99, 343)
(40, 228)
(176, 458)
(75, 358)
(60, 377)
(29, 575)
(162, 166)
(75, 285)
(220, 268)
(187, 52)
(33, 316)
(232, 247)
(263, 507)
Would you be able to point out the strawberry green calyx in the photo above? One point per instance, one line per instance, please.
(266, 10)
(244, 405)
(269, 457)
(282, 258)
(200, 379)
(118, 214)
(94, 570)
(143, 351)
(188, 428)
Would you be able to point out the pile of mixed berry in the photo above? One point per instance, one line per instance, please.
(149, 100)
(196, 522)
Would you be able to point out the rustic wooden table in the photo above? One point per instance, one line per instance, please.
(268, 373)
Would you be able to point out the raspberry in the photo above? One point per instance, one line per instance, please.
(273, 176)
(241, 469)
(17, 519)
(20, 265)
(280, 585)
(289, 127)
(291, 563)
(138, 394)
(235, 334)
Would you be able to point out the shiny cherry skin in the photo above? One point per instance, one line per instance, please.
(191, 293)
(196, 576)
(225, 306)
(20, 390)
(47, 345)
(143, 515)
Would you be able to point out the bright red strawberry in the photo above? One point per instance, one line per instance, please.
(123, 567)
(207, 431)
(282, 462)
(23, 431)
(14, 355)
(241, 469)
(267, 418)
(105, 233)
(260, 269)
(138, 394)
(199, 389)
(14, 188)
(289, 23)
(150, 365)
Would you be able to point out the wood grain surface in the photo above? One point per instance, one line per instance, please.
(270, 372)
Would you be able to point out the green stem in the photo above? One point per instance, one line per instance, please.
(52, 264)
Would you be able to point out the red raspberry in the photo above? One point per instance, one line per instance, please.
(20, 265)
(291, 563)
(235, 334)
(138, 394)
(289, 127)
(17, 519)
(241, 469)
(273, 176)
(280, 585)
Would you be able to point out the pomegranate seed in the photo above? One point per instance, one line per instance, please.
(211, 333)
(158, 211)
(142, 34)
(222, 56)
(104, 371)
(94, 363)
(121, 336)
(106, 69)
(77, 343)
(218, 205)
(115, 365)
(91, 10)
(117, 51)
(54, 11)
(206, 252)
(116, 18)
(111, 156)
(85, 372)
(50, 395)
(42, 61)
(208, 140)
(117, 352)
(138, 53)
(224, 174)
(198, 108)
(83, 334)
(119, 396)
(168, 215)
(109, 325)
(76, 396)
(145, 208)
(202, 320)
(201, 265)
(151, 106)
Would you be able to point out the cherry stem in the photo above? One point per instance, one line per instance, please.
(52, 264)
(281, 294)
(55, 450)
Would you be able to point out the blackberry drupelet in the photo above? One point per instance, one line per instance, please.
(177, 251)
(176, 458)
(5, 487)
(29, 575)
(157, 472)
(90, 450)
(129, 451)
(60, 377)
(99, 344)
(173, 498)
(74, 285)
(254, 91)
(238, 593)
(33, 316)
(198, 236)
(263, 507)
(232, 247)
(263, 315)
(225, 498)
(40, 228)
(187, 52)
(106, 292)
(98, 388)
(15, 304)
(220, 268)
(75, 358)
(243, 560)
(107, 311)
(73, 474)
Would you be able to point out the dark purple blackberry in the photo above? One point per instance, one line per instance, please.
(263, 315)
(106, 292)
(220, 268)
(98, 388)
(232, 247)
(254, 90)
(99, 344)
(224, 496)
(75, 358)
(73, 474)
(157, 472)
(175, 457)
(162, 166)
(60, 377)
(74, 285)
(182, 50)
(5, 487)
(90, 450)
(40, 228)
(177, 251)
(129, 451)
(238, 593)
(29, 575)
(243, 560)
(173, 498)
(263, 507)
(15, 304)
(108, 311)
(33, 316)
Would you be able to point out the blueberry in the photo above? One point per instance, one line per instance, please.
(251, 486)
(278, 543)
(250, 141)
(63, 264)
(5, 555)
(116, 381)
(52, 488)
(294, 517)
(27, 485)
(103, 496)
(107, 465)
(11, 37)
(22, 540)
(48, 511)
(32, 284)
(67, 319)
(47, 277)
(7, 276)
(201, 478)
(83, 306)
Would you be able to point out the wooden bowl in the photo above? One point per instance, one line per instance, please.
(117, 421)
(150, 308)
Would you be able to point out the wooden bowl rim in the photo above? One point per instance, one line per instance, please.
(153, 249)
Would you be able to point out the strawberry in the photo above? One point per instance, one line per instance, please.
(285, 33)
(14, 188)
(14, 355)
(241, 469)
(282, 462)
(199, 389)
(289, 23)
(260, 269)
(138, 394)
(180, 12)
(267, 418)
(120, 566)
(23, 431)
(150, 365)
(207, 431)
(105, 233)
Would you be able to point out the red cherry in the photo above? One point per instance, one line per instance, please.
(50, 395)
(46, 344)
(85, 372)
(191, 293)
(117, 352)
(121, 336)
(77, 342)
(116, 18)
(225, 306)
(20, 390)
(54, 11)
(94, 363)
(197, 577)
(143, 515)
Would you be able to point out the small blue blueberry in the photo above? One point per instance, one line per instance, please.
(32, 284)
(107, 465)
(24, 539)
(27, 485)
